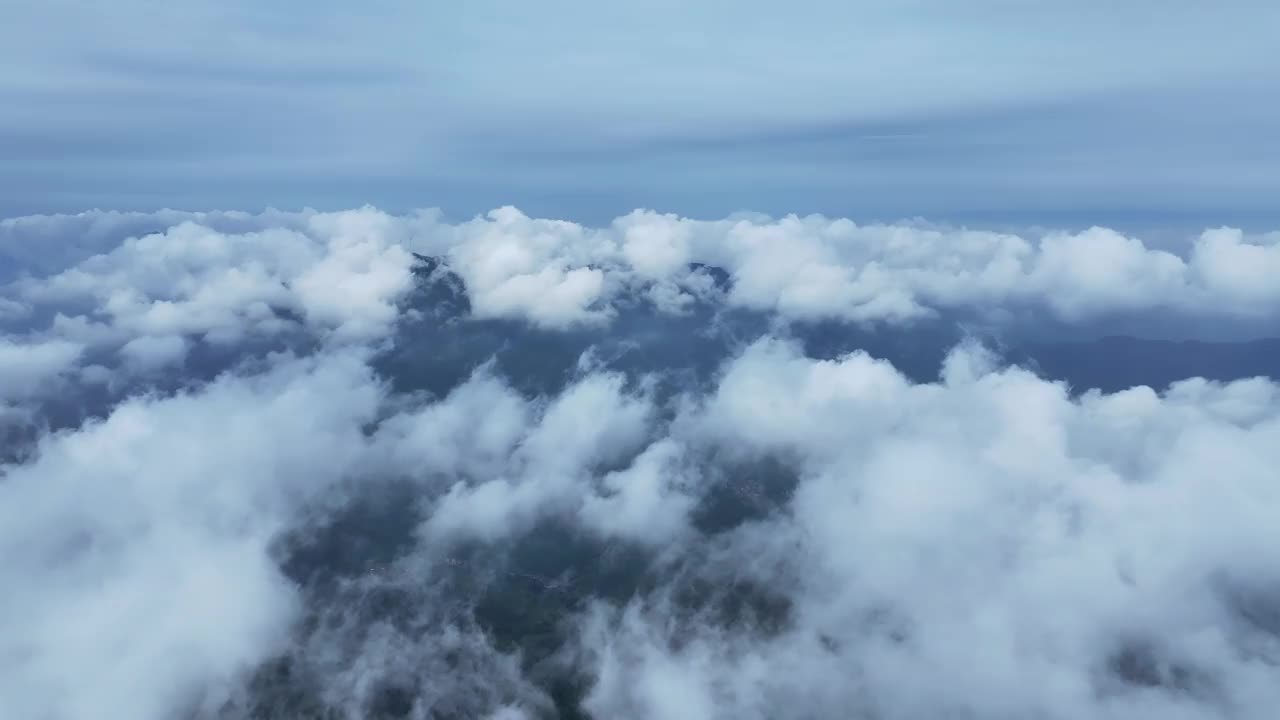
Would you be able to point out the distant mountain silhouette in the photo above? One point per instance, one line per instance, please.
(1118, 362)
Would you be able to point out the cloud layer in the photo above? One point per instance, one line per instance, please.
(993, 108)
(342, 272)
(390, 466)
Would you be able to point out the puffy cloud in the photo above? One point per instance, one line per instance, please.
(26, 368)
(593, 423)
(362, 272)
(798, 536)
(135, 551)
(514, 266)
(798, 270)
(1100, 271)
(152, 352)
(42, 245)
(648, 501)
(657, 246)
(984, 546)
(1232, 266)
(341, 275)
(815, 267)
(471, 433)
(222, 276)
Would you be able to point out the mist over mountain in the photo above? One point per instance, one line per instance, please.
(367, 465)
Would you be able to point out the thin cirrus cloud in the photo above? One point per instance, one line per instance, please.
(997, 110)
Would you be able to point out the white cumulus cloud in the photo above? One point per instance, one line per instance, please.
(802, 537)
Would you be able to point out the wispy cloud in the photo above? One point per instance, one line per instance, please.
(402, 105)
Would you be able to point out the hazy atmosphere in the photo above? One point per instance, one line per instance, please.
(671, 361)
(993, 111)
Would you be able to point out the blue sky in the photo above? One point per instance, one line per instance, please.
(991, 111)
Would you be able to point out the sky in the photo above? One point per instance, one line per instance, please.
(998, 112)
(666, 361)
